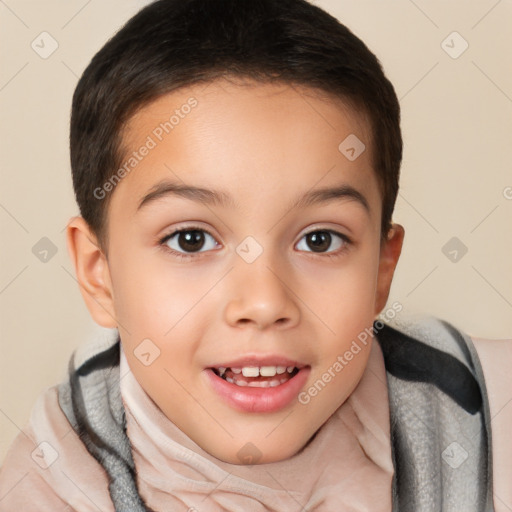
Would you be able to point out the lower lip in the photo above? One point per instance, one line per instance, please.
(250, 399)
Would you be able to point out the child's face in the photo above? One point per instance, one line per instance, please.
(251, 289)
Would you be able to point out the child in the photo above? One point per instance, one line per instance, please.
(258, 370)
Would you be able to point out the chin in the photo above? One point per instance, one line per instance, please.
(257, 452)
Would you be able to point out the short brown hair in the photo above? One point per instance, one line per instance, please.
(172, 44)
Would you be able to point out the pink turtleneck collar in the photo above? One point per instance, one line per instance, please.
(346, 466)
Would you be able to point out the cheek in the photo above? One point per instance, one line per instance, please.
(347, 308)
(153, 301)
(149, 294)
(348, 294)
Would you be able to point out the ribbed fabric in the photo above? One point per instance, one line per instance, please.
(92, 403)
(439, 417)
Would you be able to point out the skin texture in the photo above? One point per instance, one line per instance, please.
(266, 145)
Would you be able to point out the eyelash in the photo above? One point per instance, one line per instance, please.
(162, 242)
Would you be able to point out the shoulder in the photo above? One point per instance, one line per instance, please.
(490, 361)
(43, 462)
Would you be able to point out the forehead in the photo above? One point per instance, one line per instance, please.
(251, 137)
(220, 98)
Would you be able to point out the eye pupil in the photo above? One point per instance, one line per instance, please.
(187, 239)
(319, 240)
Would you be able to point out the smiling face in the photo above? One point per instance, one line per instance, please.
(246, 292)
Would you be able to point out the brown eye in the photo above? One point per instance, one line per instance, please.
(189, 241)
(320, 241)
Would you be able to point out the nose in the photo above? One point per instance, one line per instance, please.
(261, 295)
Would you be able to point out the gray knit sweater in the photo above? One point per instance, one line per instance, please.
(439, 417)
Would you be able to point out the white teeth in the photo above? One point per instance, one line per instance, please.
(260, 384)
(268, 371)
(255, 371)
(250, 371)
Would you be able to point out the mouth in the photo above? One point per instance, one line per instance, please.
(257, 376)
(258, 386)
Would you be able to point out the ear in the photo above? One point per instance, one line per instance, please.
(92, 272)
(389, 253)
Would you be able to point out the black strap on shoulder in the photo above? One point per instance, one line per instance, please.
(409, 359)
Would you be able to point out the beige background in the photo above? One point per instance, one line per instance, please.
(456, 176)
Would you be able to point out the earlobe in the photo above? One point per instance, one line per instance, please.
(92, 272)
(389, 255)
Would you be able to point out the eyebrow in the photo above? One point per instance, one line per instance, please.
(168, 188)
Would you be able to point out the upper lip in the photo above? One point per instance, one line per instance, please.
(259, 360)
